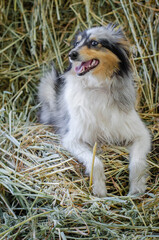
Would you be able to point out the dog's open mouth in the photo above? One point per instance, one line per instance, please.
(85, 67)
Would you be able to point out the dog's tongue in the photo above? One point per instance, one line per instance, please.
(83, 66)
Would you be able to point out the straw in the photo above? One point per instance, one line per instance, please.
(44, 191)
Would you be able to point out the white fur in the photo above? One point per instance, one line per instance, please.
(94, 118)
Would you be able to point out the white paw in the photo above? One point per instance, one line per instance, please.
(137, 187)
(99, 187)
(100, 190)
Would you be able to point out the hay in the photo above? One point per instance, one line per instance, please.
(44, 193)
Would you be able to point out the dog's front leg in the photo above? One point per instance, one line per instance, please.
(138, 165)
(82, 152)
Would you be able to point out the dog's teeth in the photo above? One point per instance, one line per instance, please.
(93, 62)
(82, 70)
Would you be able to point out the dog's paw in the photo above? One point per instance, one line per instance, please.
(137, 188)
(99, 188)
(135, 193)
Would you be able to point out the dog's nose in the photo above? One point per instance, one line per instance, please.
(73, 55)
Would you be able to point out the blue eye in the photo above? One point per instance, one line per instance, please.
(94, 43)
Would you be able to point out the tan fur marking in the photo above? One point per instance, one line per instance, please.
(109, 62)
(93, 38)
(99, 45)
(125, 44)
(79, 38)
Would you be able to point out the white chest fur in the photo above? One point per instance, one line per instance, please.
(94, 115)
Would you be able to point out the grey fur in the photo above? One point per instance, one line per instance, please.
(53, 110)
(123, 92)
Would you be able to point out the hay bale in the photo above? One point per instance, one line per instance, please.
(44, 194)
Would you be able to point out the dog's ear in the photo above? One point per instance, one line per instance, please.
(123, 41)
(74, 40)
(119, 38)
(123, 51)
(78, 37)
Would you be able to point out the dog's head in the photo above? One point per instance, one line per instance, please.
(101, 51)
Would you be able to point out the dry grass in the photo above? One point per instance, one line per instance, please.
(44, 193)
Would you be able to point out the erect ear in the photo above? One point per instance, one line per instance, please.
(75, 39)
(122, 41)
(125, 45)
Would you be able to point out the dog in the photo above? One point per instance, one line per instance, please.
(93, 101)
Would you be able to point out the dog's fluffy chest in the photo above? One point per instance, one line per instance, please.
(93, 113)
(89, 103)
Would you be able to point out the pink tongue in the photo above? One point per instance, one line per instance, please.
(83, 64)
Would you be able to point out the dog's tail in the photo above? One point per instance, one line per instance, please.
(47, 96)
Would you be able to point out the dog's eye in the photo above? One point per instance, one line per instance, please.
(76, 43)
(94, 43)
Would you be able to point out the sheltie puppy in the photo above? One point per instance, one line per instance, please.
(93, 101)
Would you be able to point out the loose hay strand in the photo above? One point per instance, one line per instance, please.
(92, 168)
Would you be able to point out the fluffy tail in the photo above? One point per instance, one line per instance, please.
(47, 96)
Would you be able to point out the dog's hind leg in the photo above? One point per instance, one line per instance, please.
(82, 152)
